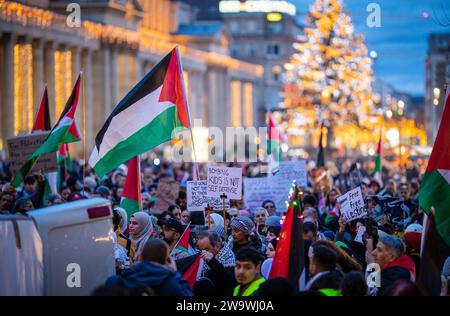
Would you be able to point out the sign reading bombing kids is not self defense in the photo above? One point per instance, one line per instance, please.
(224, 180)
(352, 205)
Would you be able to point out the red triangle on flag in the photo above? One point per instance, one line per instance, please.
(191, 275)
(173, 89)
(42, 120)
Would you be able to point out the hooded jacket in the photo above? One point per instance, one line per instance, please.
(162, 280)
(402, 268)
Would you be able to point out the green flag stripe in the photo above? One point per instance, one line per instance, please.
(435, 192)
(130, 206)
(158, 131)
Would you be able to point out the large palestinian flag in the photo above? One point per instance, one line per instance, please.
(434, 195)
(145, 118)
(65, 131)
(190, 268)
(378, 166)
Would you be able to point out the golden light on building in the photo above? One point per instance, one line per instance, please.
(274, 17)
(63, 79)
(248, 104)
(388, 113)
(235, 103)
(23, 88)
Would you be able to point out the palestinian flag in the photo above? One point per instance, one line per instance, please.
(131, 196)
(190, 268)
(42, 118)
(434, 199)
(320, 162)
(289, 255)
(183, 243)
(145, 118)
(378, 166)
(65, 131)
(275, 138)
(65, 162)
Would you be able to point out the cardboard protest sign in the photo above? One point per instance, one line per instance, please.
(21, 147)
(359, 234)
(197, 199)
(276, 187)
(391, 209)
(256, 191)
(166, 194)
(352, 205)
(224, 180)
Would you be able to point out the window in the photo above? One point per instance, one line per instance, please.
(251, 50)
(234, 27)
(273, 49)
(234, 50)
(275, 27)
(252, 26)
(276, 71)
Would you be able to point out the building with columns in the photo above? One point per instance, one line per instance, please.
(116, 43)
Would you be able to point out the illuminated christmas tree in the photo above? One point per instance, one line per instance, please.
(329, 77)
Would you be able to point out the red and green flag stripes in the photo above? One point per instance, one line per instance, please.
(434, 199)
(183, 243)
(289, 256)
(275, 138)
(131, 196)
(320, 161)
(42, 119)
(65, 131)
(190, 268)
(145, 118)
(435, 187)
(378, 165)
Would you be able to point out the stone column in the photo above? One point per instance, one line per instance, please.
(38, 72)
(49, 75)
(76, 64)
(86, 126)
(7, 113)
(114, 76)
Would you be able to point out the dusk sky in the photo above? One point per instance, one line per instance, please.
(402, 40)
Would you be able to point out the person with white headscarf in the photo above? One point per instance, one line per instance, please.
(124, 219)
(141, 230)
(216, 223)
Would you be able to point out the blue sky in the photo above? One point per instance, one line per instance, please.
(402, 40)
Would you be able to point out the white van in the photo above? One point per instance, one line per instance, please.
(72, 250)
(78, 246)
(21, 271)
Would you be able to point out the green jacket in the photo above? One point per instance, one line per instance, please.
(250, 289)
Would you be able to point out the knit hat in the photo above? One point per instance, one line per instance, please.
(416, 228)
(273, 221)
(243, 223)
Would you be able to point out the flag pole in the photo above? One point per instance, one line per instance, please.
(84, 129)
(187, 106)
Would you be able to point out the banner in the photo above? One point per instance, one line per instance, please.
(197, 199)
(352, 205)
(224, 180)
(21, 147)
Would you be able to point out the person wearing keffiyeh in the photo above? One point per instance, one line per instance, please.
(220, 262)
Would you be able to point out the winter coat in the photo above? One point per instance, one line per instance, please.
(161, 279)
(402, 268)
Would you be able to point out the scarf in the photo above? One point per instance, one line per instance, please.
(146, 231)
(225, 257)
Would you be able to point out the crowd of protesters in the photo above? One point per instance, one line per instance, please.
(238, 249)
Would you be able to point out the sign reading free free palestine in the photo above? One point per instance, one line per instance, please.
(224, 180)
(352, 205)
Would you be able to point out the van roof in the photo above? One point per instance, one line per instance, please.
(68, 213)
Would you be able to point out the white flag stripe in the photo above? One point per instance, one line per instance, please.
(130, 121)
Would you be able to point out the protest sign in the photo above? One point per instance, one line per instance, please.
(392, 209)
(256, 191)
(276, 187)
(21, 147)
(359, 234)
(197, 199)
(352, 205)
(166, 194)
(224, 180)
